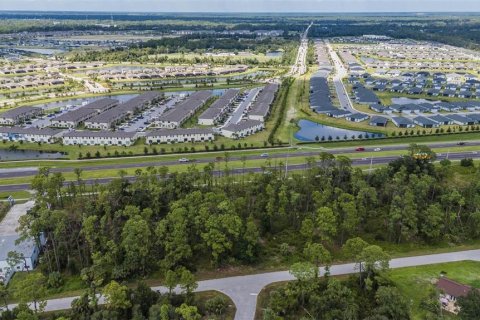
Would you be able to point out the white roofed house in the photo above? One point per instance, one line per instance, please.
(179, 135)
(19, 115)
(242, 129)
(104, 138)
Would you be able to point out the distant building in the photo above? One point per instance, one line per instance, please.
(32, 135)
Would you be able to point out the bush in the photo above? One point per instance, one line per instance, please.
(216, 305)
(466, 162)
(54, 280)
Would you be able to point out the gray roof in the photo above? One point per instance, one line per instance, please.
(425, 121)
(358, 116)
(242, 125)
(130, 106)
(99, 134)
(186, 107)
(402, 120)
(21, 130)
(180, 131)
(7, 244)
(219, 105)
(440, 118)
(20, 111)
(377, 119)
(88, 110)
(261, 105)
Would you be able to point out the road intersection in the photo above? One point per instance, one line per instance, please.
(244, 290)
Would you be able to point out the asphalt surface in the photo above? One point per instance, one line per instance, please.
(293, 167)
(243, 290)
(19, 172)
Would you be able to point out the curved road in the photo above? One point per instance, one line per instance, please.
(243, 290)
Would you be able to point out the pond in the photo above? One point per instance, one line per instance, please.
(274, 54)
(309, 131)
(28, 155)
(79, 101)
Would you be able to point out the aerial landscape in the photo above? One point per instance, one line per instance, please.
(249, 160)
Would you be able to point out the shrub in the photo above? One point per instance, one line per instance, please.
(216, 305)
(54, 280)
(466, 162)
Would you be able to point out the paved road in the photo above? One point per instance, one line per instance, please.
(237, 171)
(306, 151)
(300, 66)
(243, 290)
(238, 112)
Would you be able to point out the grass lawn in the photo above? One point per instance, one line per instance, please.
(15, 194)
(414, 282)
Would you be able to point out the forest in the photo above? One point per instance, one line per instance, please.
(164, 222)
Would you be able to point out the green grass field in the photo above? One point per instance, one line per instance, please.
(414, 282)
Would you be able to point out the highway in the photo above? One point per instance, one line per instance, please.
(244, 290)
(300, 65)
(236, 171)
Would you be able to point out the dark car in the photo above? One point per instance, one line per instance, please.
(360, 149)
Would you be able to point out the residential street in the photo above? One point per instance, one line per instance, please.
(243, 290)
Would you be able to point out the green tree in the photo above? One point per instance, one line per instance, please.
(188, 312)
(116, 296)
(318, 255)
(391, 304)
(32, 289)
(136, 243)
(469, 305)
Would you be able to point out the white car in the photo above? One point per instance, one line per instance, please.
(183, 160)
(377, 149)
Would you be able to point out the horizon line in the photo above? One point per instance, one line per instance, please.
(243, 12)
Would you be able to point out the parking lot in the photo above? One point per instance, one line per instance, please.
(142, 121)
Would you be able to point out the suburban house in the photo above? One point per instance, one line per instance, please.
(27, 249)
(378, 122)
(402, 122)
(19, 115)
(357, 117)
(450, 291)
(179, 135)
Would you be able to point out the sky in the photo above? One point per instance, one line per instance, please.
(244, 5)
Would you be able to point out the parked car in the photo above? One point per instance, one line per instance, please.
(360, 149)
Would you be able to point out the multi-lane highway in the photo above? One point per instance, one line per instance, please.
(359, 161)
(300, 66)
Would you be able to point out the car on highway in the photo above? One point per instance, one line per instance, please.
(183, 160)
(264, 155)
(461, 143)
(377, 149)
(360, 149)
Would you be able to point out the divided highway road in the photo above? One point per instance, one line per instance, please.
(355, 162)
